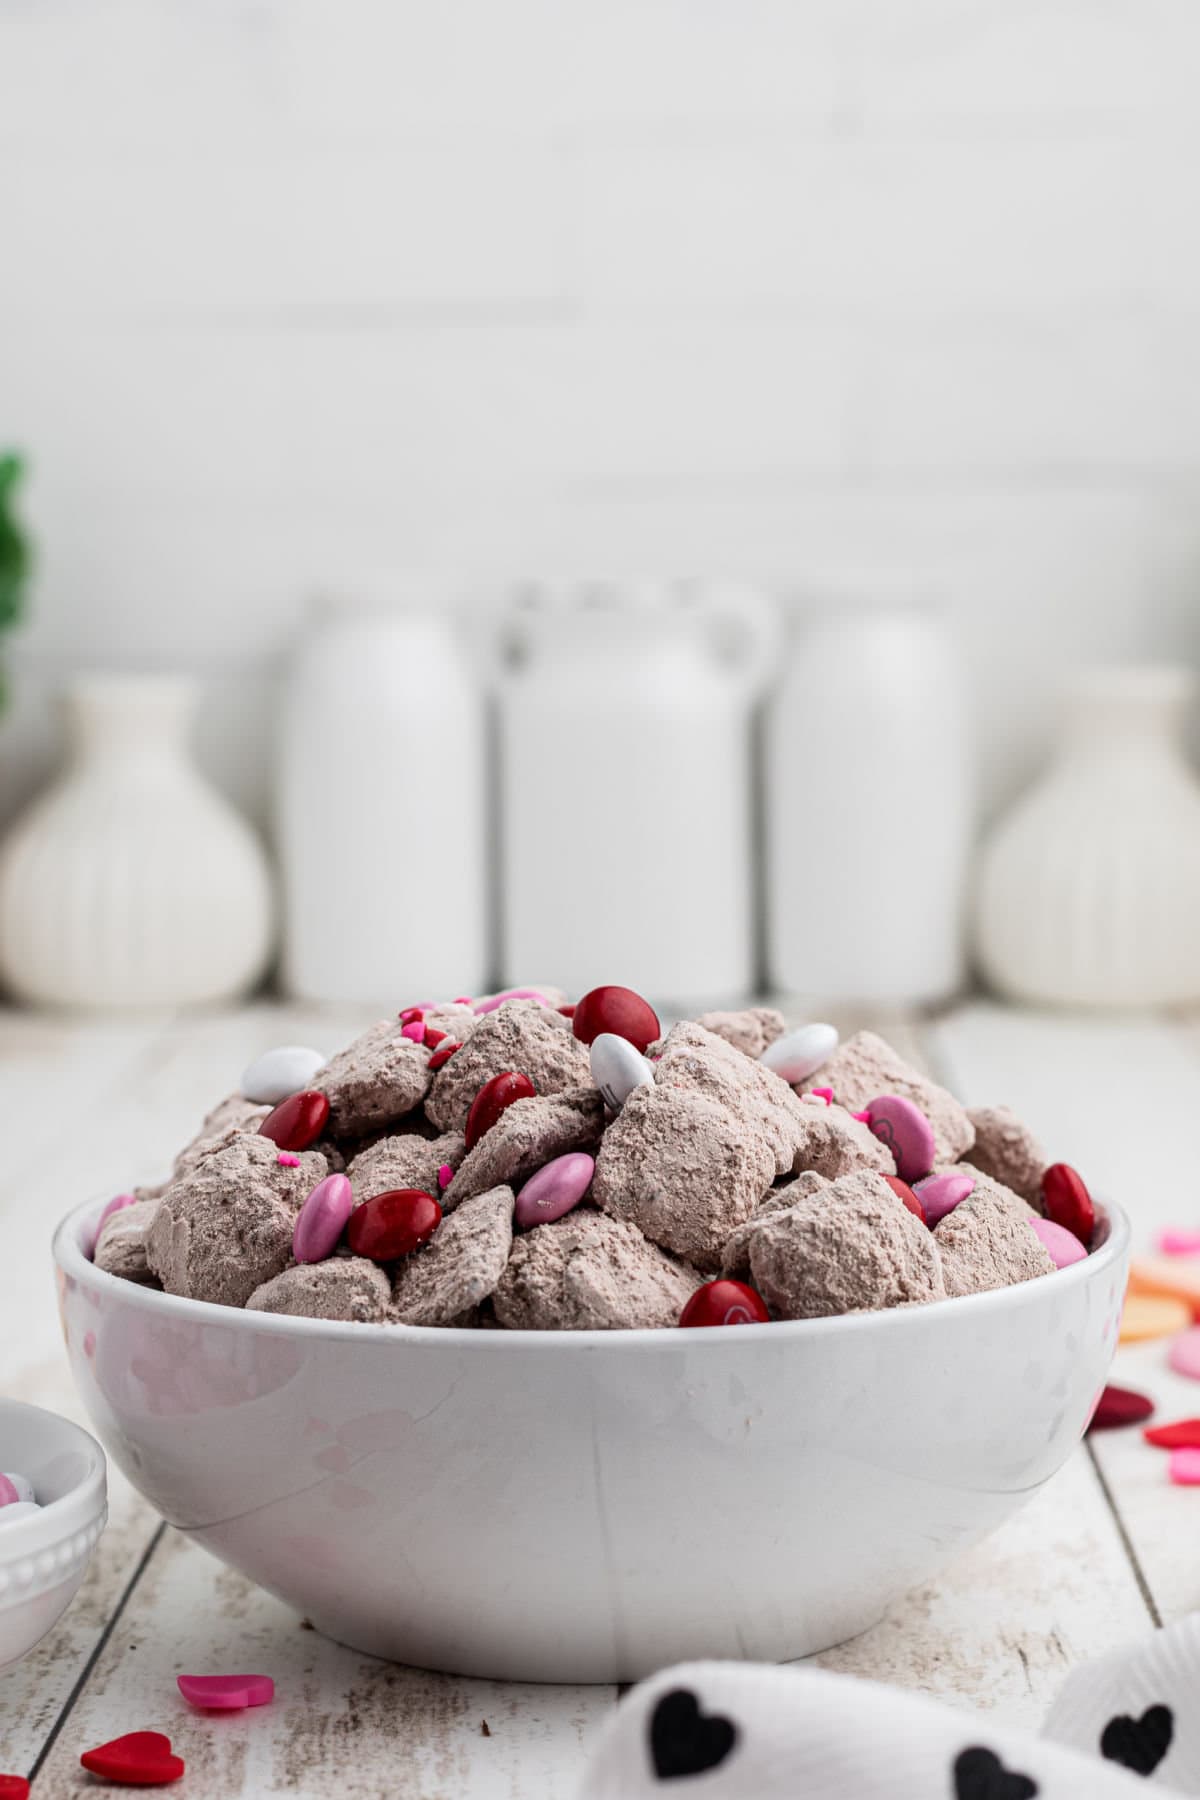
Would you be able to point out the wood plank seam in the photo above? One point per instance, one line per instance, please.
(98, 1648)
(1139, 1574)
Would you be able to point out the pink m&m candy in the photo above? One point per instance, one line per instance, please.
(940, 1194)
(907, 1133)
(555, 1189)
(1064, 1247)
(322, 1219)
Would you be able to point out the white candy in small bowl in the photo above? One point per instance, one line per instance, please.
(46, 1542)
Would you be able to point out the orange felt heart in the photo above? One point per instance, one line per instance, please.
(139, 1759)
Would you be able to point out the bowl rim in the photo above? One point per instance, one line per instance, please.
(73, 1264)
(71, 1512)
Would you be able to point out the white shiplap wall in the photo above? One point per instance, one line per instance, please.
(294, 289)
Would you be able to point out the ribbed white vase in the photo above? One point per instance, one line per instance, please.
(1089, 890)
(131, 883)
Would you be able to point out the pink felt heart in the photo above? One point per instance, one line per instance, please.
(226, 1693)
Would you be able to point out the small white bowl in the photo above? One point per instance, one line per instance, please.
(44, 1555)
(590, 1506)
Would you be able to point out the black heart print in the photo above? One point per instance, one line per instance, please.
(686, 1741)
(1139, 1744)
(980, 1775)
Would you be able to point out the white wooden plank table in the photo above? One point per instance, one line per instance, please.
(1098, 1558)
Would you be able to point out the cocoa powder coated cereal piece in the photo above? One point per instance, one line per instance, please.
(233, 1114)
(864, 1067)
(587, 1272)
(519, 1035)
(225, 1228)
(1006, 1149)
(853, 1247)
(343, 1287)
(835, 1142)
(684, 1168)
(459, 1268)
(378, 1079)
(736, 1261)
(404, 1161)
(749, 1031)
(121, 1246)
(987, 1241)
(695, 1058)
(527, 1135)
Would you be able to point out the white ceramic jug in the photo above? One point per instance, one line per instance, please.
(132, 883)
(1089, 890)
(380, 808)
(626, 774)
(869, 808)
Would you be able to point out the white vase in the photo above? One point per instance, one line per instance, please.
(625, 737)
(132, 883)
(869, 808)
(1089, 890)
(380, 816)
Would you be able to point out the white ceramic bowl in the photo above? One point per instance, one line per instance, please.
(43, 1556)
(589, 1506)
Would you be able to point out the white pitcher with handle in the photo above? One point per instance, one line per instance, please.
(626, 782)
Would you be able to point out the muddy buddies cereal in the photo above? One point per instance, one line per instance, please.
(521, 1163)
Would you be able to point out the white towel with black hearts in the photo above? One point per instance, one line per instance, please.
(742, 1731)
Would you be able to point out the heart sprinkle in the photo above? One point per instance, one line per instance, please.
(139, 1759)
(1120, 1406)
(1183, 1434)
(14, 1787)
(1152, 1315)
(226, 1693)
(1179, 1243)
(1184, 1467)
(1184, 1354)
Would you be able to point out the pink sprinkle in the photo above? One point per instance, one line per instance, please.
(445, 1177)
(286, 1160)
(1179, 1243)
(415, 1031)
(410, 1013)
(464, 1000)
(864, 1116)
(8, 1493)
(1184, 1468)
(825, 1094)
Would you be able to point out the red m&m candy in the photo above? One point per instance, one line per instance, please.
(296, 1123)
(619, 1010)
(491, 1100)
(393, 1224)
(725, 1303)
(1067, 1201)
(903, 1192)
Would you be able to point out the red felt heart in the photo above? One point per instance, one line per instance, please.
(14, 1787)
(139, 1759)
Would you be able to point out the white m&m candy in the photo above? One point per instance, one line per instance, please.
(798, 1054)
(278, 1074)
(618, 1067)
